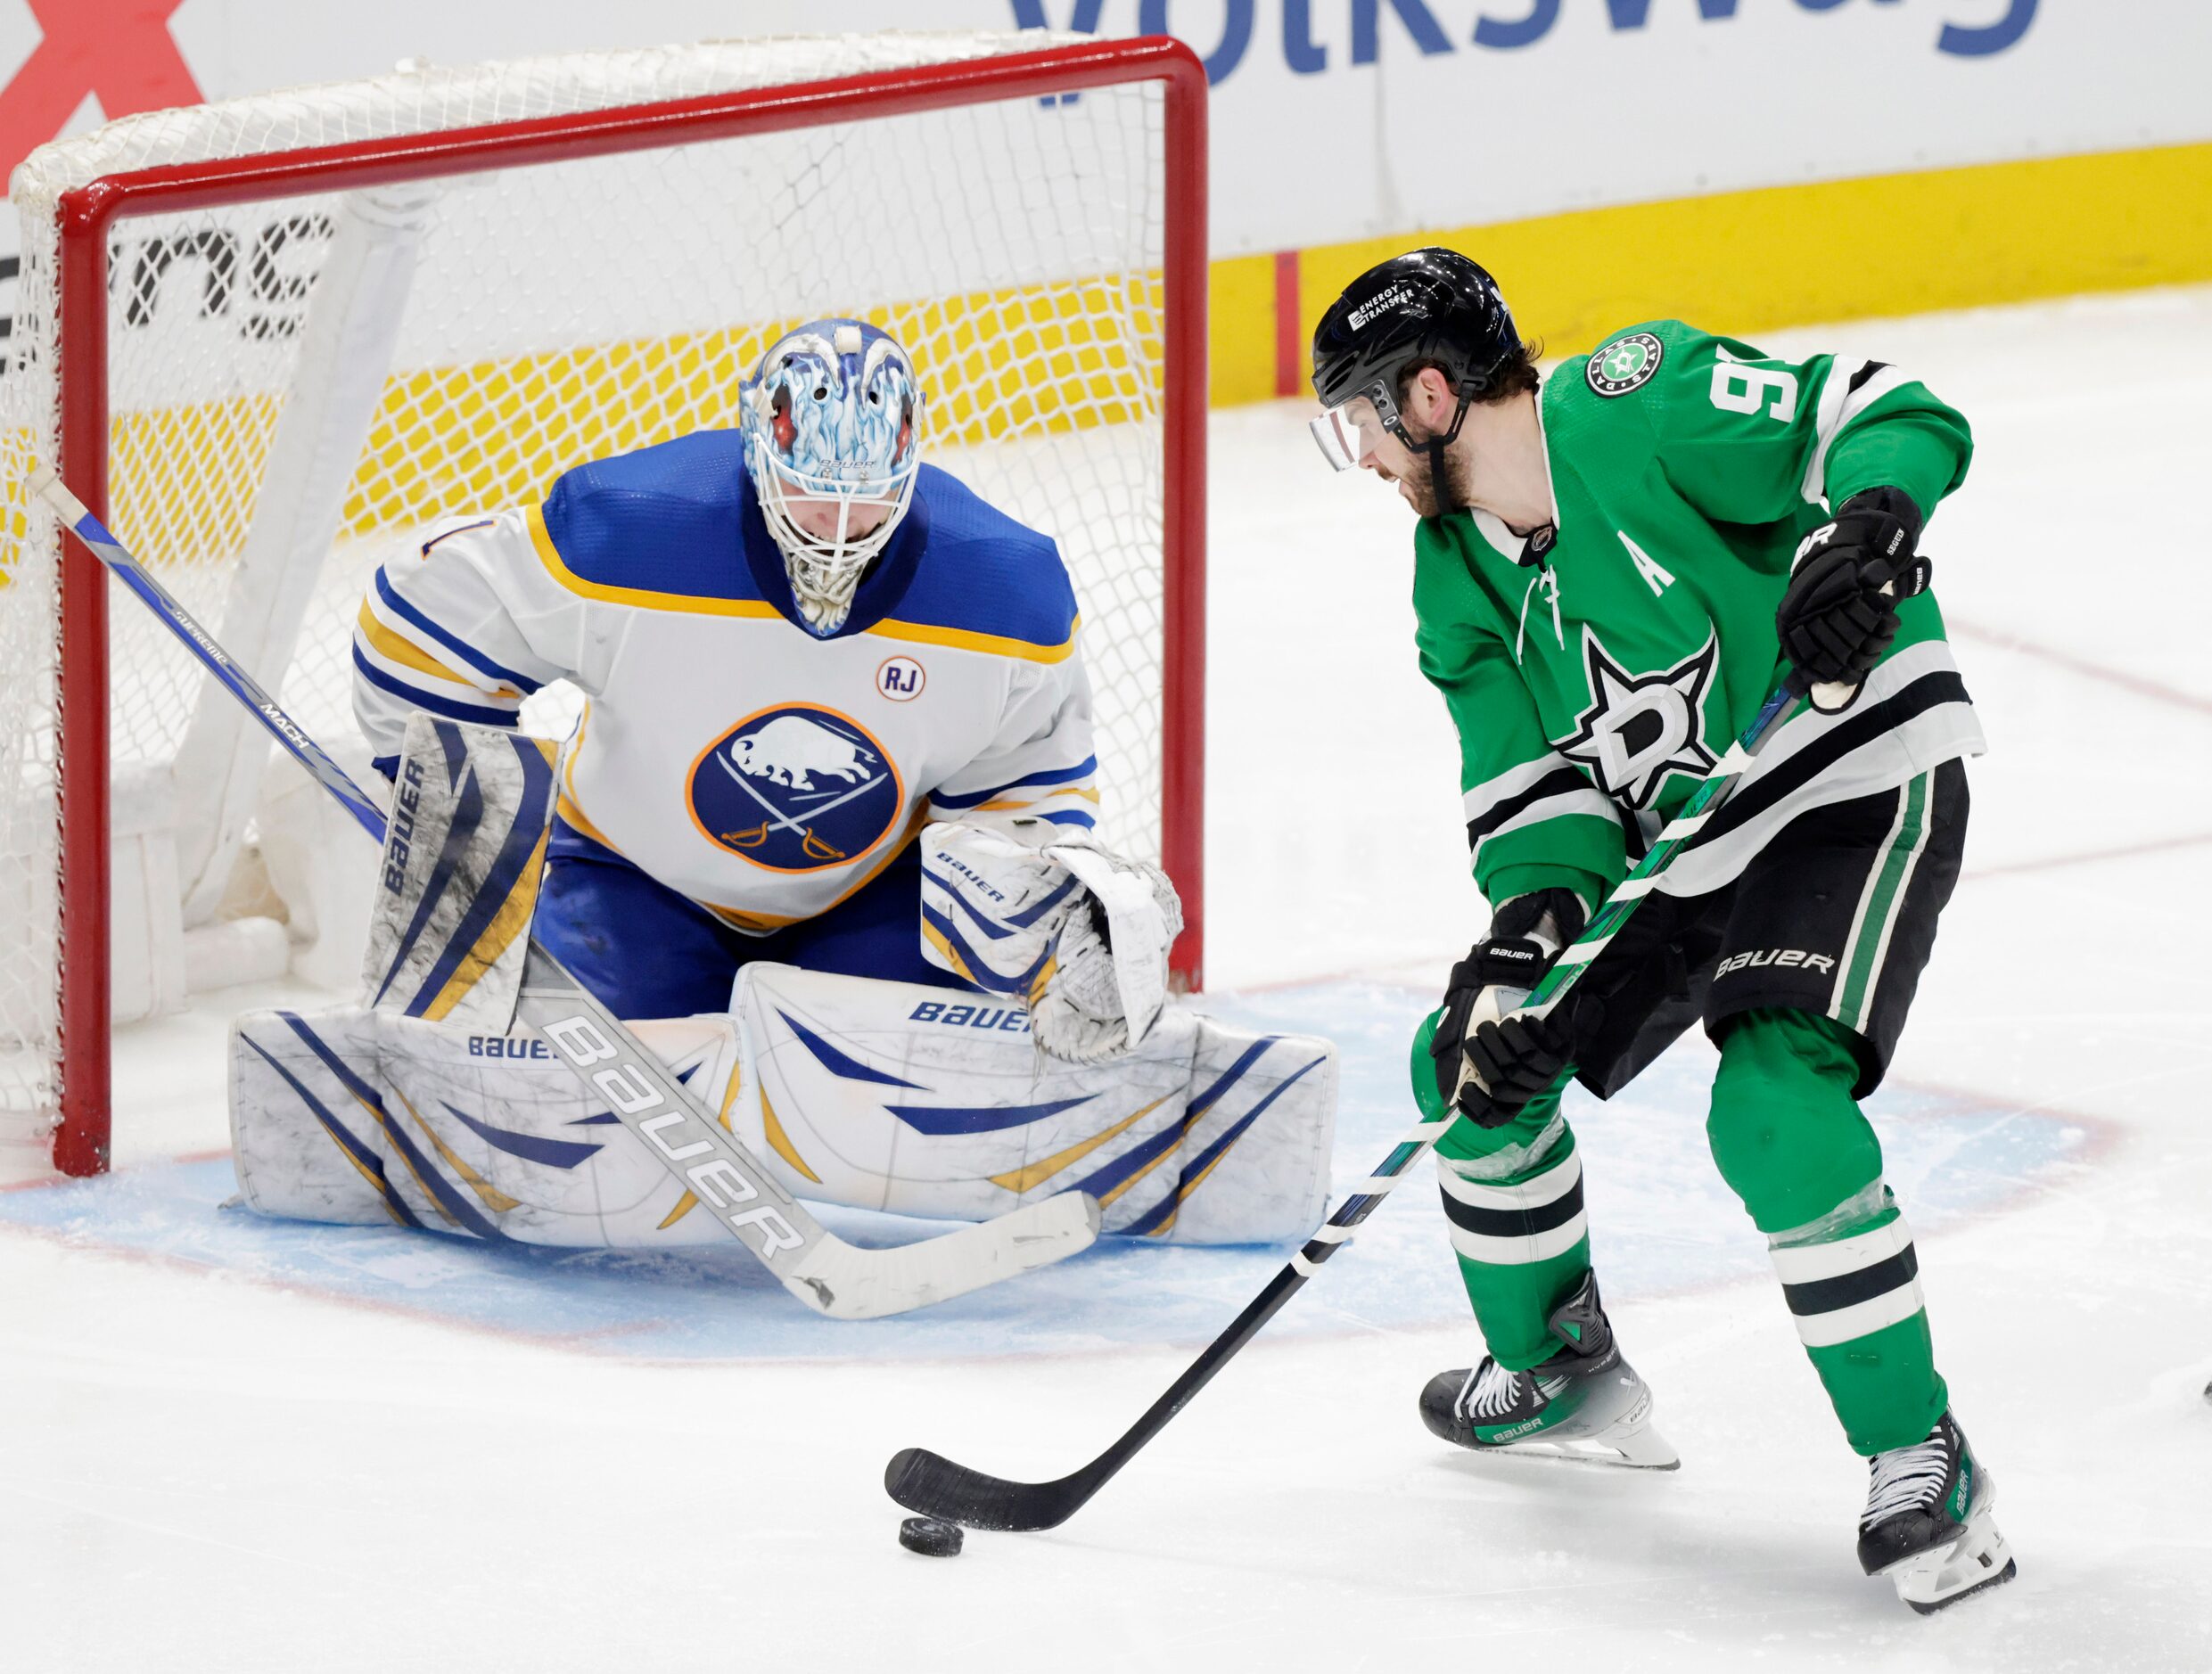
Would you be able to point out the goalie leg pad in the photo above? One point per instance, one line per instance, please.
(892, 1095)
(357, 1117)
(874, 1095)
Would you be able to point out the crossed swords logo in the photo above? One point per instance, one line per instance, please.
(754, 836)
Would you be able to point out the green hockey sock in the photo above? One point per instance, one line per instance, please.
(1792, 1143)
(1523, 1242)
(1513, 1196)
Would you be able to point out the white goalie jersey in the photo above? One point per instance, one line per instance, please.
(726, 749)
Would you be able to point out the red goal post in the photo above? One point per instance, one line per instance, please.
(97, 445)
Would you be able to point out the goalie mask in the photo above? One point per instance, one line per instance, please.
(831, 421)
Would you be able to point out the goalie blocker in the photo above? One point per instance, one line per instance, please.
(880, 1095)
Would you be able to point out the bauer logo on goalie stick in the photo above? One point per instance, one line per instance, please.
(796, 788)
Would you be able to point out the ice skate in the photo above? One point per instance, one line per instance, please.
(1585, 1404)
(1928, 1525)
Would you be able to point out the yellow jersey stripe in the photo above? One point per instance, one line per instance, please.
(917, 633)
(966, 639)
(646, 598)
(395, 647)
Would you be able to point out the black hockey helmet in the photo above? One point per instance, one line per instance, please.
(1427, 305)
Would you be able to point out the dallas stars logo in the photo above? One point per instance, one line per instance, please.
(1626, 362)
(1640, 728)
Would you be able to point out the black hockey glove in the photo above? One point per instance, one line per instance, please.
(1515, 1059)
(1835, 621)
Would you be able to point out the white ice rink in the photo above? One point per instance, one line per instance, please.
(229, 1446)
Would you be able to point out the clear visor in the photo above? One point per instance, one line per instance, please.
(1346, 433)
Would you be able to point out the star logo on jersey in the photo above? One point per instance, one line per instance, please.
(1626, 362)
(795, 788)
(1640, 728)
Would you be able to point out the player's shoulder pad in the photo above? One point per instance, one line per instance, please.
(986, 582)
(661, 524)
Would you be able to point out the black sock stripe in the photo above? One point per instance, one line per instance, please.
(1560, 782)
(1862, 727)
(1846, 1289)
(1515, 1223)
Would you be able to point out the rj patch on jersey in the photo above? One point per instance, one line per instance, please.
(1626, 362)
(795, 788)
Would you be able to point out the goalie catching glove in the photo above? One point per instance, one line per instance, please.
(1491, 1063)
(1051, 920)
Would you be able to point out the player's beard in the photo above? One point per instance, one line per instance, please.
(1420, 482)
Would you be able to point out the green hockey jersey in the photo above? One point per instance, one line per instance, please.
(1597, 670)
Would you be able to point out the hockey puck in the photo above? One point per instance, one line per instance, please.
(932, 1537)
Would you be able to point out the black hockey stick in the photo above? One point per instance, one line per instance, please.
(936, 1487)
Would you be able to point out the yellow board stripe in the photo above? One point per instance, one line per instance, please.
(1745, 262)
(1037, 1173)
(996, 363)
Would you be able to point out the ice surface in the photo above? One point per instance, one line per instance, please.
(233, 1445)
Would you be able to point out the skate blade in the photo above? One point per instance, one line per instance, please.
(1977, 1559)
(1643, 1449)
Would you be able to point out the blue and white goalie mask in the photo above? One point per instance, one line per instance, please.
(832, 426)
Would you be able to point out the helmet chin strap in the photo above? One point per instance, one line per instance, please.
(1439, 477)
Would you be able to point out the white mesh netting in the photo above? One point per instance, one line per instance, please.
(545, 316)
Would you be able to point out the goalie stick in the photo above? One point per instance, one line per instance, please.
(822, 1270)
(937, 1487)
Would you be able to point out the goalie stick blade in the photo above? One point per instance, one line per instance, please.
(848, 1283)
(934, 1485)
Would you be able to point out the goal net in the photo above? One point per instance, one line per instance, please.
(275, 338)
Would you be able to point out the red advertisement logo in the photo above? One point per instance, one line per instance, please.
(118, 51)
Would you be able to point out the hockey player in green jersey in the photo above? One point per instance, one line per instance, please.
(1616, 564)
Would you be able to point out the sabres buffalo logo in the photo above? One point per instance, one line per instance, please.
(794, 788)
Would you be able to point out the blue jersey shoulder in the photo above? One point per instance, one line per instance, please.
(665, 519)
(984, 573)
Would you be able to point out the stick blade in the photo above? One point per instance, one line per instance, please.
(935, 1486)
(847, 1283)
